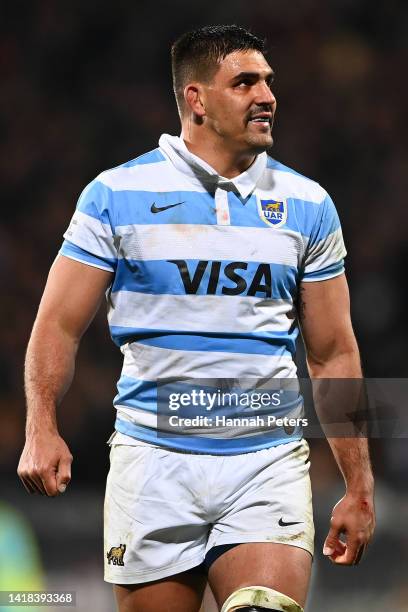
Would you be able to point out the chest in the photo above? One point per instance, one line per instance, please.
(206, 244)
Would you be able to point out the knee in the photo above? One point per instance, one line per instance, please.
(260, 599)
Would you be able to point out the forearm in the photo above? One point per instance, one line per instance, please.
(71, 298)
(49, 369)
(340, 402)
(352, 457)
(336, 362)
(339, 395)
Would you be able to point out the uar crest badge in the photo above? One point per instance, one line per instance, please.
(273, 212)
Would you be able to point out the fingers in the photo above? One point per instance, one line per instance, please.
(63, 477)
(359, 554)
(49, 482)
(34, 481)
(28, 479)
(356, 524)
(31, 485)
(350, 554)
(55, 480)
(344, 553)
(339, 551)
(45, 480)
(30, 488)
(332, 543)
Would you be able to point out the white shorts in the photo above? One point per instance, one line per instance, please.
(165, 509)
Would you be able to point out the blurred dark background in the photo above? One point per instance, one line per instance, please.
(87, 86)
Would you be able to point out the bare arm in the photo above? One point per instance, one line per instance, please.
(332, 353)
(71, 298)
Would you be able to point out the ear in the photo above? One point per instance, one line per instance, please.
(193, 96)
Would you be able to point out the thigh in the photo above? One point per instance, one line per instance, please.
(154, 525)
(180, 593)
(267, 499)
(277, 566)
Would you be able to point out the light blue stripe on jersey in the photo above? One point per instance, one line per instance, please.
(208, 445)
(95, 201)
(329, 223)
(134, 208)
(163, 277)
(140, 394)
(123, 207)
(75, 252)
(135, 393)
(302, 218)
(301, 214)
(257, 343)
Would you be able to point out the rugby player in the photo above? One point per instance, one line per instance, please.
(204, 246)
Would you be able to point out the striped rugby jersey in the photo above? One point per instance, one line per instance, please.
(205, 276)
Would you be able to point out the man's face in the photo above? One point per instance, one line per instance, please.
(239, 104)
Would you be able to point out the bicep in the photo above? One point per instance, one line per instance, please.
(72, 295)
(324, 316)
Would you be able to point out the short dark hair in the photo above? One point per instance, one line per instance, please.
(196, 55)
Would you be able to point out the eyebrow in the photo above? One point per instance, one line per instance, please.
(251, 75)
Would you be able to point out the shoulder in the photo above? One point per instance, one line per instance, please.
(292, 183)
(105, 191)
(123, 177)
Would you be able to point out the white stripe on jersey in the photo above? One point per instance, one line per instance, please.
(155, 178)
(145, 362)
(217, 242)
(91, 235)
(283, 185)
(148, 419)
(200, 313)
(325, 252)
(140, 417)
(159, 177)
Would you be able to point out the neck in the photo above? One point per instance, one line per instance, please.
(226, 162)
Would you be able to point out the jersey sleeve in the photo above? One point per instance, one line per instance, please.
(90, 236)
(325, 251)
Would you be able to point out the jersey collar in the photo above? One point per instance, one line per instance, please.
(175, 149)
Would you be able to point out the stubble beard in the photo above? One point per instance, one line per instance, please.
(254, 143)
(259, 145)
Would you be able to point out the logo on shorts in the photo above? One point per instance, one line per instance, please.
(283, 523)
(273, 212)
(116, 554)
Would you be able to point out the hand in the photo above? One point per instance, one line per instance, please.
(45, 464)
(354, 516)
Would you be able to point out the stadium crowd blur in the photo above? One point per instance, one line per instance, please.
(86, 86)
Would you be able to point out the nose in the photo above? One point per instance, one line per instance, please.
(264, 95)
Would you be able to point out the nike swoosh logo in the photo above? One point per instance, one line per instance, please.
(283, 524)
(156, 209)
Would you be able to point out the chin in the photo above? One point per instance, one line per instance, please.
(259, 145)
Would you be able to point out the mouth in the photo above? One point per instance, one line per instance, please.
(262, 119)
